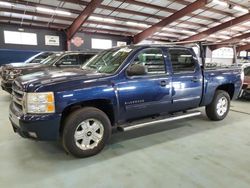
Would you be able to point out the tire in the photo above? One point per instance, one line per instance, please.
(86, 131)
(215, 113)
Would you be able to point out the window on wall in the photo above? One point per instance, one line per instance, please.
(101, 43)
(15, 37)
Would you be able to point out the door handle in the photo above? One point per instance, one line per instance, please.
(163, 83)
(195, 79)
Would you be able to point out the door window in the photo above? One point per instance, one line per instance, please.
(153, 61)
(69, 60)
(182, 60)
(84, 57)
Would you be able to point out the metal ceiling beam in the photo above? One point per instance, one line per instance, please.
(166, 9)
(126, 11)
(166, 21)
(232, 40)
(30, 13)
(222, 26)
(31, 23)
(81, 19)
(57, 26)
(84, 3)
(243, 48)
(43, 15)
(32, 4)
(214, 10)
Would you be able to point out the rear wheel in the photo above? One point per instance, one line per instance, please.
(86, 131)
(219, 107)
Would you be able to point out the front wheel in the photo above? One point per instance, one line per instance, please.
(219, 107)
(85, 132)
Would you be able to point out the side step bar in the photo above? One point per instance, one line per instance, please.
(128, 127)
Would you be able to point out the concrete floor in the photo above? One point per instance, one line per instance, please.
(189, 153)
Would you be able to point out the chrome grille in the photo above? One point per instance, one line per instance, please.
(17, 96)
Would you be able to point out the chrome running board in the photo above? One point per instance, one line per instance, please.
(134, 125)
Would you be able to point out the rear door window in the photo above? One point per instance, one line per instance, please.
(182, 60)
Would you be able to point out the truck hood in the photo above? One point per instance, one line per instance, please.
(50, 77)
(22, 65)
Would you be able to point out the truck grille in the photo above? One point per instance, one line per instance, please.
(17, 96)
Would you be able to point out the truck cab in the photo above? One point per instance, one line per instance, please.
(120, 88)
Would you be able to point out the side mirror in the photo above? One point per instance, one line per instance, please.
(136, 70)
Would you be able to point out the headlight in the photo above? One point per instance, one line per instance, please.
(39, 103)
(13, 74)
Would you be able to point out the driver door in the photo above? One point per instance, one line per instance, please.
(149, 94)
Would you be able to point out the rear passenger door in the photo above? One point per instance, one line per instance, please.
(69, 61)
(186, 78)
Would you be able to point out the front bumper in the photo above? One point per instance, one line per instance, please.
(38, 127)
(7, 86)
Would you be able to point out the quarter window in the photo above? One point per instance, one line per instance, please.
(182, 60)
(153, 61)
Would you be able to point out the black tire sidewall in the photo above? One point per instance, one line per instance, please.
(72, 123)
(212, 108)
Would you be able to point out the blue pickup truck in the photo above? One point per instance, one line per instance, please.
(121, 88)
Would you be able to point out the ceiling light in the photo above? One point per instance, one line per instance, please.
(137, 24)
(219, 36)
(23, 16)
(241, 9)
(7, 4)
(168, 29)
(220, 2)
(179, 31)
(42, 9)
(62, 12)
(188, 32)
(102, 19)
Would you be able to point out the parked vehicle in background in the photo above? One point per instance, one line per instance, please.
(34, 59)
(245, 91)
(121, 88)
(57, 60)
(6, 69)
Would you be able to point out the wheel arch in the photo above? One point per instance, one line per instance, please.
(229, 88)
(104, 105)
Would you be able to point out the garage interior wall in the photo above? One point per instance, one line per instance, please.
(86, 39)
(18, 53)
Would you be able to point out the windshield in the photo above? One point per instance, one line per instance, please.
(108, 61)
(52, 58)
(38, 57)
